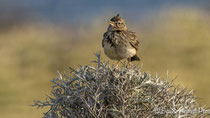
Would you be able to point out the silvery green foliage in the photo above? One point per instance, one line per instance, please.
(108, 92)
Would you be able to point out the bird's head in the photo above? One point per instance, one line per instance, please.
(117, 23)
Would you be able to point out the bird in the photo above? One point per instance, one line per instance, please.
(120, 43)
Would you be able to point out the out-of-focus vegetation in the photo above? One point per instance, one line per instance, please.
(177, 40)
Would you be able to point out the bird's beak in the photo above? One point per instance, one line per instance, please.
(111, 23)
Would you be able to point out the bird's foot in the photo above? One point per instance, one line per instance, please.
(117, 64)
(129, 63)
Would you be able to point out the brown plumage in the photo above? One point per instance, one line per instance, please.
(118, 42)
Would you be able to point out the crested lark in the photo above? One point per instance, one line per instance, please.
(120, 43)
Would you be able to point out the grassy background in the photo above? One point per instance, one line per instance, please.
(175, 39)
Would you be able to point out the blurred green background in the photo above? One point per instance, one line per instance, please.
(38, 38)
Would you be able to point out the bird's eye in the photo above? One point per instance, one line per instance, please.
(118, 23)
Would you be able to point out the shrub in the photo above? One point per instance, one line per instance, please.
(108, 92)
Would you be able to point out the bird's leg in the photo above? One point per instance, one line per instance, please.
(129, 63)
(117, 63)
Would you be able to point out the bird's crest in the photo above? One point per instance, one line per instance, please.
(116, 18)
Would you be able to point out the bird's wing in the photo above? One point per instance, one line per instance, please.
(105, 35)
(108, 36)
(132, 39)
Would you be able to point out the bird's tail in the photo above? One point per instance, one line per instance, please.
(135, 58)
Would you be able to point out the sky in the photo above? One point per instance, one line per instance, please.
(83, 11)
